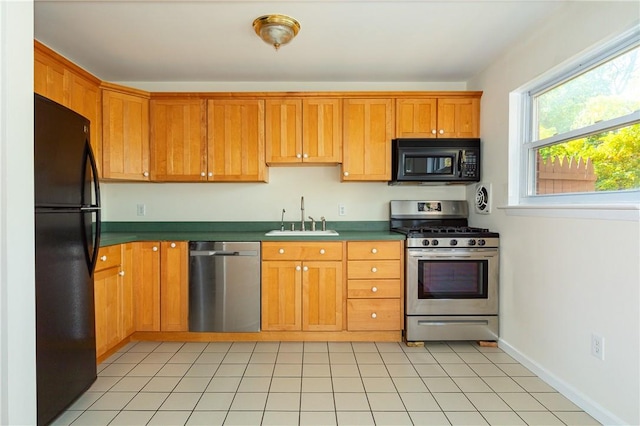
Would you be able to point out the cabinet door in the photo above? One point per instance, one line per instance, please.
(125, 136)
(283, 131)
(236, 141)
(368, 130)
(48, 76)
(127, 292)
(174, 286)
(322, 130)
(459, 118)
(416, 118)
(146, 285)
(281, 295)
(106, 297)
(178, 140)
(322, 296)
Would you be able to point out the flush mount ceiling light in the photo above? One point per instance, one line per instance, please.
(276, 29)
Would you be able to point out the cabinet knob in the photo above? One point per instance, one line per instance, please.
(121, 273)
(173, 245)
(374, 315)
(203, 174)
(103, 258)
(433, 132)
(298, 155)
(306, 268)
(346, 173)
(281, 251)
(154, 248)
(210, 174)
(441, 132)
(374, 269)
(145, 174)
(374, 289)
(374, 250)
(305, 156)
(298, 268)
(322, 251)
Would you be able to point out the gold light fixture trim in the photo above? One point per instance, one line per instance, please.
(276, 30)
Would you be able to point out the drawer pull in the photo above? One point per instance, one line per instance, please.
(374, 251)
(298, 268)
(374, 315)
(173, 245)
(121, 273)
(281, 251)
(154, 248)
(103, 258)
(374, 289)
(322, 251)
(374, 269)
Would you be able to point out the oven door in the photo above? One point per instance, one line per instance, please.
(452, 281)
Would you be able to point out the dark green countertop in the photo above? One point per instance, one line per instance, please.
(124, 232)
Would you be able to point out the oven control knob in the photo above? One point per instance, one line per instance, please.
(454, 242)
(481, 242)
(472, 242)
(434, 242)
(425, 242)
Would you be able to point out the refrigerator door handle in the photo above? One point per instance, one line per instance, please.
(93, 259)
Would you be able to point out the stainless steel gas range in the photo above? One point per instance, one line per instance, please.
(451, 276)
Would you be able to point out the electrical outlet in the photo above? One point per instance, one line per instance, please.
(342, 210)
(597, 346)
(141, 209)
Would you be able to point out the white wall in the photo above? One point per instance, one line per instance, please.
(563, 279)
(17, 282)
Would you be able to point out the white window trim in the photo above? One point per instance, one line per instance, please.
(615, 205)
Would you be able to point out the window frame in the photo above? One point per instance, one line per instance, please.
(522, 172)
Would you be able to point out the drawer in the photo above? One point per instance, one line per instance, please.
(369, 250)
(108, 257)
(302, 251)
(373, 314)
(374, 269)
(377, 289)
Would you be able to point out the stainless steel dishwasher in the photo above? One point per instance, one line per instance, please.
(224, 286)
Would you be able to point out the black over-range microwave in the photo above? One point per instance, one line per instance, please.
(423, 161)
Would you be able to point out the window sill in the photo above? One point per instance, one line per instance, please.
(624, 212)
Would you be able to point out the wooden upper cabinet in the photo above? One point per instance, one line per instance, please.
(283, 131)
(322, 130)
(178, 140)
(368, 129)
(444, 117)
(416, 118)
(60, 80)
(236, 150)
(125, 137)
(459, 117)
(303, 130)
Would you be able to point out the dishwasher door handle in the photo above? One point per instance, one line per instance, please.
(223, 253)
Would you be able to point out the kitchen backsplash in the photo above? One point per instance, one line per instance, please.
(320, 186)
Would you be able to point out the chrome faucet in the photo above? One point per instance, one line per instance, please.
(313, 223)
(302, 211)
(282, 220)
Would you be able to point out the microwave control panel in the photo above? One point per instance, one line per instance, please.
(469, 164)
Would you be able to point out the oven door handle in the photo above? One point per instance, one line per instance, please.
(450, 256)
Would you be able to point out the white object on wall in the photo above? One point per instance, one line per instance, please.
(483, 198)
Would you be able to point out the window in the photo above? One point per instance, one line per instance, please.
(580, 130)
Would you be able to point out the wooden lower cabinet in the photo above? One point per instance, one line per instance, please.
(302, 286)
(113, 295)
(375, 285)
(161, 286)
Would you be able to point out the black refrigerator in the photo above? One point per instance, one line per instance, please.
(67, 236)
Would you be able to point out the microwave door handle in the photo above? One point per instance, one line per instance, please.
(460, 163)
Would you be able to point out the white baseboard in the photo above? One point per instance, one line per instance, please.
(591, 407)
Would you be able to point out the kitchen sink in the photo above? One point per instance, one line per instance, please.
(279, 233)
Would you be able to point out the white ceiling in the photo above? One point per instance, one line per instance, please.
(343, 41)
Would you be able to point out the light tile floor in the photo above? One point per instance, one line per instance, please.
(318, 383)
